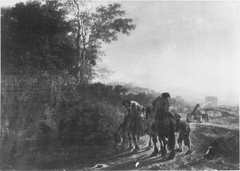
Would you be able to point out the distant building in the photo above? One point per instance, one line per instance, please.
(213, 100)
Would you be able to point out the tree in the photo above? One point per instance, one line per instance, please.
(40, 38)
(92, 29)
(35, 38)
(35, 50)
(39, 54)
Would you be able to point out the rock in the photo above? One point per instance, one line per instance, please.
(99, 166)
(155, 168)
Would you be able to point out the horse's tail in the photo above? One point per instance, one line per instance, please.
(187, 118)
(171, 139)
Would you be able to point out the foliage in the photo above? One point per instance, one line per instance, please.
(40, 37)
(145, 97)
(91, 111)
(82, 116)
(141, 98)
(43, 110)
(91, 28)
(180, 104)
(35, 39)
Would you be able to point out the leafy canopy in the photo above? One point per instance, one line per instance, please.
(35, 38)
(40, 37)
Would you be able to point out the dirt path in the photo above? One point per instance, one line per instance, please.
(201, 136)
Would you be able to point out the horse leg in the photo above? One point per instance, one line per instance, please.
(150, 142)
(130, 142)
(163, 143)
(171, 140)
(179, 141)
(187, 143)
(138, 137)
(155, 151)
(123, 144)
(137, 131)
(142, 130)
(135, 142)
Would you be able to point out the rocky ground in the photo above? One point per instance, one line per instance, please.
(225, 130)
(201, 136)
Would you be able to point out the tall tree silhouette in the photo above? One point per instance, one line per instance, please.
(93, 28)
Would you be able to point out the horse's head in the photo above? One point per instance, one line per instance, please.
(161, 103)
(127, 105)
(143, 108)
(133, 107)
(177, 116)
(118, 141)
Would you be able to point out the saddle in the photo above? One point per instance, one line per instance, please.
(172, 116)
(164, 115)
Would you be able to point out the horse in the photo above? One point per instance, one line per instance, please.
(164, 126)
(126, 127)
(183, 130)
(130, 126)
(137, 112)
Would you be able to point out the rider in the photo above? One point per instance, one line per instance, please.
(197, 113)
(164, 112)
(136, 112)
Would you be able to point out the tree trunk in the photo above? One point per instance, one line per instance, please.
(83, 72)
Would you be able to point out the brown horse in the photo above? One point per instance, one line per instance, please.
(164, 126)
(119, 136)
(137, 113)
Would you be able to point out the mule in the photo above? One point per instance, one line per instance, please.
(131, 126)
(119, 136)
(183, 130)
(136, 111)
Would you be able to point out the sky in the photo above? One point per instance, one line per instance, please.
(186, 48)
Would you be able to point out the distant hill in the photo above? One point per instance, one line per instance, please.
(135, 89)
(185, 94)
(190, 95)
